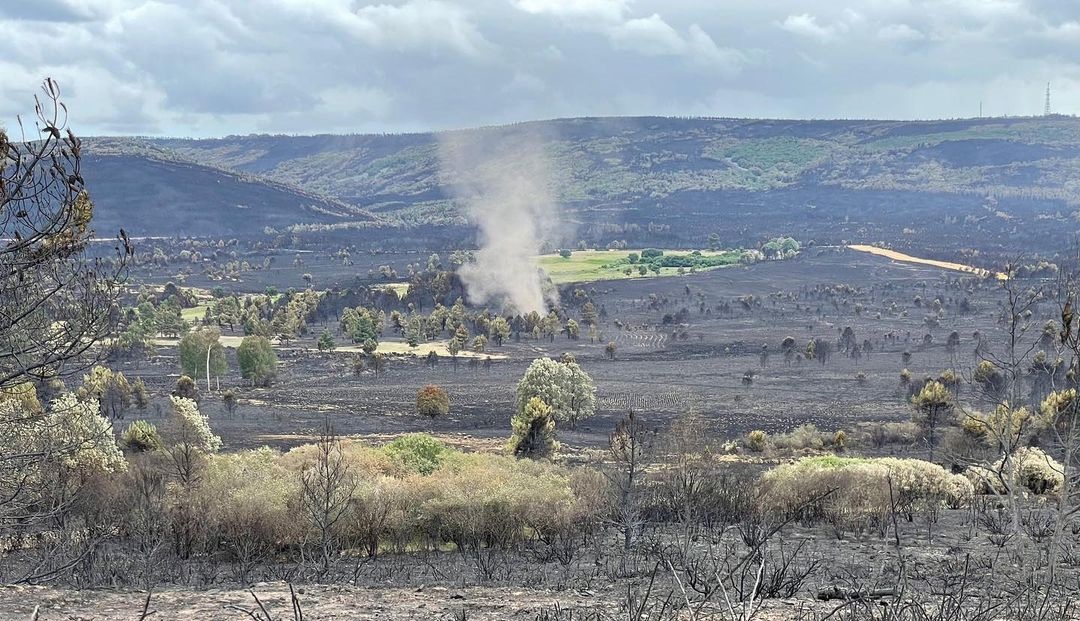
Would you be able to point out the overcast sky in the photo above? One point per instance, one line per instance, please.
(217, 67)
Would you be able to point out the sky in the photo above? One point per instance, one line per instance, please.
(204, 68)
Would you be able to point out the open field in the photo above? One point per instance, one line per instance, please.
(907, 258)
(600, 265)
(389, 348)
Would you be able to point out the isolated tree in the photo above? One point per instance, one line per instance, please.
(533, 431)
(609, 349)
(627, 447)
(326, 489)
(201, 354)
(257, 359)
(378, 364)
(230, 402)
(479, 343)
(932, 406)
(359, 365)
(55, 303)
(563, 386)
(432, 401)
(326, 342)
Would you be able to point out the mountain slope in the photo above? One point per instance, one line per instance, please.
(150, 193)
(1012, 181)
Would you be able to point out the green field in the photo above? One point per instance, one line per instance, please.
(593, 265)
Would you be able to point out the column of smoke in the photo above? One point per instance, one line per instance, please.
(504, 182)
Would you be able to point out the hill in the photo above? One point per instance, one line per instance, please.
(151, 192)
(1005, 180)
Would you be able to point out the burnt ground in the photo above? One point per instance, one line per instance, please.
(655, 372)
(661, 376)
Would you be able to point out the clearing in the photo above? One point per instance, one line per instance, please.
(594, 265)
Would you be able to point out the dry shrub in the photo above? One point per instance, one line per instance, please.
(490, 499)
(757, 440)
(803, 437)
(880, 433)
(251, 502)
(1032, 470)
(854, 490)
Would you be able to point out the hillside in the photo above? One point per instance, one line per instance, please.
(152, 193)
(685, 178)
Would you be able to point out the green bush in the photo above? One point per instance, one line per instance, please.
(757, 440)
(418, 452)
(140, 437)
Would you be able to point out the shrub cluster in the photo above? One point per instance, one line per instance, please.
(858, 492)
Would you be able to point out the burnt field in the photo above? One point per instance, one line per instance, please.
(717, 325)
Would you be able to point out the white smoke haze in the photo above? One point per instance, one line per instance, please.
(504, 181)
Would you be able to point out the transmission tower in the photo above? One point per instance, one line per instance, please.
(1046, 108)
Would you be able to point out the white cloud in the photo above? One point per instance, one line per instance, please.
(419, 24)
(655, 37)
(806, 25)
(612, 10)
(899, 32)
(206, 67)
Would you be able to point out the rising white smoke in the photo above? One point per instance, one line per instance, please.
(504, 181)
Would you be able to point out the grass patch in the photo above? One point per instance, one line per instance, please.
(594, 265)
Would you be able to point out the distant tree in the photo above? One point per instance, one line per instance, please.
(378, 364)
(499, 330)
(139, 394)
(572, 329)
(326, 342)
(359, 365)
(533, 431)
(609, 349)
(257, 359)
(565, 253)
(201, 354)
(186, 388)
(632, 258)
(932, 405)
(479, 343)
(230, 402)
(714, 241)
(432, 401)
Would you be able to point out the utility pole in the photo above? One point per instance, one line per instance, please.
(1046, 107)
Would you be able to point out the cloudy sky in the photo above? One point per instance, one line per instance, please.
(216, 67)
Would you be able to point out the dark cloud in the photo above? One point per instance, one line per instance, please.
(209, 67)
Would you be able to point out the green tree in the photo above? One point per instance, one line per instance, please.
(932, 406)
(533, 431)
(199, 347)
(257, 359)
(326, 342)
(563, 386)
(499, 330)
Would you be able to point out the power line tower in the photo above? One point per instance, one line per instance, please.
(1046, 108)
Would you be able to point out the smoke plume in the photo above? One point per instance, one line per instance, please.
(504, 181)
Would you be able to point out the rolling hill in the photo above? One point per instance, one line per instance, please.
(1009, 180)
(152, 193)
